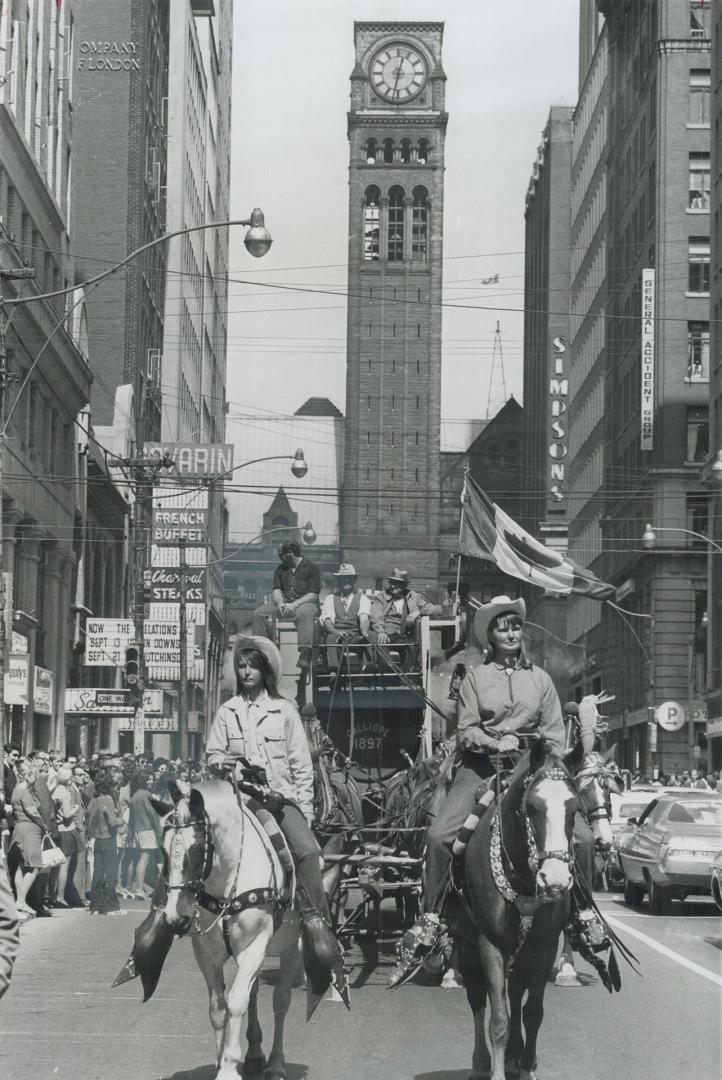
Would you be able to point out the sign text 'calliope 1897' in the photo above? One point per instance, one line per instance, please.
(647, 388)
(559, 395)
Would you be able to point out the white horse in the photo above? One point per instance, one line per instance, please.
(225, 883)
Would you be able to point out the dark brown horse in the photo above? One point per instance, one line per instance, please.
(516, 897)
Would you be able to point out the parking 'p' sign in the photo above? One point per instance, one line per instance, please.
(671, 716)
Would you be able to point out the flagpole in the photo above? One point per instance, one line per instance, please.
(461, 525)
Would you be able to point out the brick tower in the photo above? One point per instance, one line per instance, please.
(396, 129)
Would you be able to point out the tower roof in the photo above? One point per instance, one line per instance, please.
(318, 406)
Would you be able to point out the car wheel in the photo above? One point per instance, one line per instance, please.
(660, 901)
(633, 893)
(716, 895)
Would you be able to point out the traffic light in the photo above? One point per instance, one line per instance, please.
(132, 665)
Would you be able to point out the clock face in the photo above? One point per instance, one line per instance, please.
(398, 73)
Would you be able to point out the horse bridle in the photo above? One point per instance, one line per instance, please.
(536, 856)
(595, 768)
(175, 826)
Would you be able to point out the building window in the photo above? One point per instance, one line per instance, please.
(393, 437)
(393, 402)
(371, 151)
(419, 224)
(699, 181)
(371, 228)
(699, 96)
(389, 147)
(368, 474)
(396, 225)
(699, 19)
(697, 432)
(698, 351)
(697, 517)
(423, 152)
(698, 278)
(406, 151)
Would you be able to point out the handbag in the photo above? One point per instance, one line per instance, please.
(51, 855)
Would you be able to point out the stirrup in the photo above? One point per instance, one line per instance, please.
(424, 940)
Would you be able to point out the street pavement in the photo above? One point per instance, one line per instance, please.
(60, 1020)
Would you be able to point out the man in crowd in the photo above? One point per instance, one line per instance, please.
(345, 615)
(296, 588)
(395, 618)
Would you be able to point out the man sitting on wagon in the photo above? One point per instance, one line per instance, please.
(395, 619)
(296, 585)
(345, 616)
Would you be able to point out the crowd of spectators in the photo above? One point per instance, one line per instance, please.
(689, 778)
(98, 813)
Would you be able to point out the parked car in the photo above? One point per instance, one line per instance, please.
(716, 881)
(626, 805)
(670, 850)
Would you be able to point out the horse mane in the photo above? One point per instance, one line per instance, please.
(522, 771)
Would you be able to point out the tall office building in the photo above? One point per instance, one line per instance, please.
(396, 128)
(657, 369)
(588, 335)
(190, 367)
(712, 475)
(119, 194)
(46, 355)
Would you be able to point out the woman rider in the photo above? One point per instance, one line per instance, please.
(266, 730)
(504, 695)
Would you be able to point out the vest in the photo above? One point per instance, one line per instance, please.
(346, 620)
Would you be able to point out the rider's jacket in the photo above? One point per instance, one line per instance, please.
(266, 732)
(523, 699)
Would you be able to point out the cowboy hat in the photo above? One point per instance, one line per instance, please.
(398, 575)
(498, 605)
(262, 645)
(345, 570)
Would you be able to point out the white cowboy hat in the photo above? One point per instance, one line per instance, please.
(345, 570)
(262, 645)
(398, 575)
(498, 605)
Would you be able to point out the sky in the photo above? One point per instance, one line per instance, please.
(506, 64)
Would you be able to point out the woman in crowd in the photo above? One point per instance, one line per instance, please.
(69, 840)
(103, 822)
(143, 828)
(27, 834)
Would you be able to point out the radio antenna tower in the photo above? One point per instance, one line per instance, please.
(497, 381)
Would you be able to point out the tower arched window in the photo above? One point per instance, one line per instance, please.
(406, 151)
(388, 151)
(420, 224)
(423, 151)
(371, 151)
(395, 252)
(372, 197)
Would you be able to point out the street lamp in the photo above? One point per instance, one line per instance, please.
(257, 239)
(649, 536)
(299, 468)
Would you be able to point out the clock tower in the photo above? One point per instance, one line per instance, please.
(396, 130)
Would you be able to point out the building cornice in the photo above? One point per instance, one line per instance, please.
(429, 120)
(399, 27)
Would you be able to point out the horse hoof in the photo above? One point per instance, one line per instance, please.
(254, 1066)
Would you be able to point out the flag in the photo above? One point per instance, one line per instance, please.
(487, 532)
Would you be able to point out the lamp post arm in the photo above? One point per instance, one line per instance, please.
(92, 282)
(689, 532)
(243, 465)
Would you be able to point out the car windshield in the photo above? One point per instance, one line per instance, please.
(695, 813)
(626, 806)
(627, 810)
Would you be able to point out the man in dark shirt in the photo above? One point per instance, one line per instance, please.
(296, 587)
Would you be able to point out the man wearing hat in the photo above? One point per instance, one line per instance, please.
(345, 615)
(395, 619)
(296, 586)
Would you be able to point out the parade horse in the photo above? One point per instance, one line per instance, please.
(515, 900)
(224, 884)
